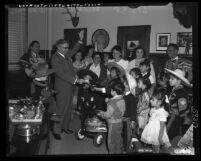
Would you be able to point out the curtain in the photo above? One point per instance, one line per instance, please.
(17, 36)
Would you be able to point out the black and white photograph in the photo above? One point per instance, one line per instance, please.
(101, 79)
(162, 41)
(184, 39)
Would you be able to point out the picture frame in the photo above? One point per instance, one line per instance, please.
(101, 36)
(184, 39)
(162, 41)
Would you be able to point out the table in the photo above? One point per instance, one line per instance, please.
(26, 147)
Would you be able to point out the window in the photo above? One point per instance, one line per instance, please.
(17, 36)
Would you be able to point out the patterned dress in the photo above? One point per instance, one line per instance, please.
(143, 103)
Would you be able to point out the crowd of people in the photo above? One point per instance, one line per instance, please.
(137, 103)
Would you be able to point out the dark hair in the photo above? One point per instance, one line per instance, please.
(159, 94)
(163, 74)
(79, 51)
(175, 46)
(88, 47)
(96, 53)
(139, 47)
(136, 71)
(116, 69)
(61, 42)
(118, 88)
(117, 47)
(146, 82)
(32, 44)
(146, 62)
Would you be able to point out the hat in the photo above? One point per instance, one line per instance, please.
(119, 67)
(180, 75)
(42, 70)
(84, 72)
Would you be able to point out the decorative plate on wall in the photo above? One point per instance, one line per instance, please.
(101, 36)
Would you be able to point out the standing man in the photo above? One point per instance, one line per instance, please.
(65, 79)
(177, 62)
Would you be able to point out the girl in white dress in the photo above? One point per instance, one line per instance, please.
(154, 132)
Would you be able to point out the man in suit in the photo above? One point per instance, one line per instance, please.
(65, 79)
(176, 61)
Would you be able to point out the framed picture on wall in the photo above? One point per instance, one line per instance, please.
(162, 41)
(184, 39)
(101, 37)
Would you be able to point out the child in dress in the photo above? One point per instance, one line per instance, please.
(114, 116)
(154, 132)
(143, 103)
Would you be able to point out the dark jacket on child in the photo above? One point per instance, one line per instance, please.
(131, 106)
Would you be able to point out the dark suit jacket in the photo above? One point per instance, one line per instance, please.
(64, 78)
(131, 107)
(64, 71)
(102, 80)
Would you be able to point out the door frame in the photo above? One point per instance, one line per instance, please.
(121, 37)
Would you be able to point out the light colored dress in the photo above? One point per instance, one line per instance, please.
(151, 131)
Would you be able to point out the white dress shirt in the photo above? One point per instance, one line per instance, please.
(96, 69)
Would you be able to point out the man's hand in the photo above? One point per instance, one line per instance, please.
(80, 81)
(81, 35)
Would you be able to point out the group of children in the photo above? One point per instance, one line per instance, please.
(152, 113)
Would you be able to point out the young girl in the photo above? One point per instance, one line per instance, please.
(143, 103)
(154, 132)
(136, 74)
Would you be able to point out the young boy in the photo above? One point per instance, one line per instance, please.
(114, 116)
(146, 74)
(130, 115)
(178, 106)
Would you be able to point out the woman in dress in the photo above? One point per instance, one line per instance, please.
(89, 52)
(140, 56)
(78, 64)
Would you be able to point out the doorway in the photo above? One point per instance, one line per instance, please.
(72, 37)
(129, 37)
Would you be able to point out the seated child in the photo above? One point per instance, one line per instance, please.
(114, 116)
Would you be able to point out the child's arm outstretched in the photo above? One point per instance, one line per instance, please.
(108, 113)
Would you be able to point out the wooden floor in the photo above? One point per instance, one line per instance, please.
(69, 145)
